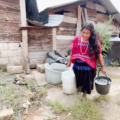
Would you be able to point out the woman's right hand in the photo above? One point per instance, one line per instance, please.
(69, 64)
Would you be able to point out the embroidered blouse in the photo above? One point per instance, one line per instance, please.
(76, 52)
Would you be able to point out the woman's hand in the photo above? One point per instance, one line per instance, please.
(103, 70)
(69, 64)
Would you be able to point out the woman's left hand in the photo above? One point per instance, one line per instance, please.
(103, 70)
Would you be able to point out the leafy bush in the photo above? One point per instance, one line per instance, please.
(103, 34)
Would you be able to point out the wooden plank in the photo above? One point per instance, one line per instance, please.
(96, 7)
(100, 8)
(64, 42)
(86, 15)
(39, 48)
(70, 20)
(54, 38)
(66, 32)
(5, 8)
(42, 41)
(42, 37)
(9, 27)
(71, 9)
(102, 17)
(68, 25)
(9, 17)
(90, 5)
(79, 21)
(12, 1)
(55, 10)
(38, 32)
(24, 35)
(63, 37)
(83, 16)
(10, 38)
(91, 14)
(33, 55)
(70, 15)
(10, 4)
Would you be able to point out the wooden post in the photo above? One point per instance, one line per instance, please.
(24, 35)
(86, 15)
(54, 38)
(79, 21)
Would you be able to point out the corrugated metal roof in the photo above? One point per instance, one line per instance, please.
(53, 20)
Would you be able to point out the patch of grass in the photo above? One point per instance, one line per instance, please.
(57, 106)
(30, 85)
(42, 90)
(2, 84)
(2, 68)
(9, 95)
(82, 110)
(86, 110)
(101, 97)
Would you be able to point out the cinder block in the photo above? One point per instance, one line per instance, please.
(4, 61)
(20, 53)
(3, 46)
(14, 69)
(9, 53)
(16, 60)
(6, 114)
(13, 46)
(41, 68)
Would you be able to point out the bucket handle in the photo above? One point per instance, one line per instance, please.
(101, 71)
(105, 76)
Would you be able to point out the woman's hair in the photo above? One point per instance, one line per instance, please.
(93, 47)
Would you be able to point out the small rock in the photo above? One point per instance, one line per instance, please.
(6, 114)
(41, 68)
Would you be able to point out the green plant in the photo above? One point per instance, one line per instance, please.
(104, 35)
(68, 52)
(82, 110)
(86, 110)
(42, 90)
(57, 106)
(101, 97)
(114, 63)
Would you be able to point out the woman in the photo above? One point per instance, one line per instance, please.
(85, 51)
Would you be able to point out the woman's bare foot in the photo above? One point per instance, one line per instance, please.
(84, 95)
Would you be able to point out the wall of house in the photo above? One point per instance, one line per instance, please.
(67, 30)
(40, 42)
(10, 35)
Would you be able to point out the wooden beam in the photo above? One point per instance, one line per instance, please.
(54, 38)
(96, 7)
(24, 35)
(86, 15)
(79, 21)
(70, 20)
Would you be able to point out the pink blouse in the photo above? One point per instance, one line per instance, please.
(77, 47)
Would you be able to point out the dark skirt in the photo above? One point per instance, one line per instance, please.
(84, 76)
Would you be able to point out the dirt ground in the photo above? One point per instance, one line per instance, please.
(21, 93)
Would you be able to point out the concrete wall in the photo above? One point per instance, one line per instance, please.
(11, 53)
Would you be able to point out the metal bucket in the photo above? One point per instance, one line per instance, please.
(102, 89)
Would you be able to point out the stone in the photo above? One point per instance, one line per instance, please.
(14, 69)
(6, 114)
(41, 68)
(39, 77)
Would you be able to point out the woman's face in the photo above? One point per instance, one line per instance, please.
(86, 34)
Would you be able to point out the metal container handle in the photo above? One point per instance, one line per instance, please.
(105, 75)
